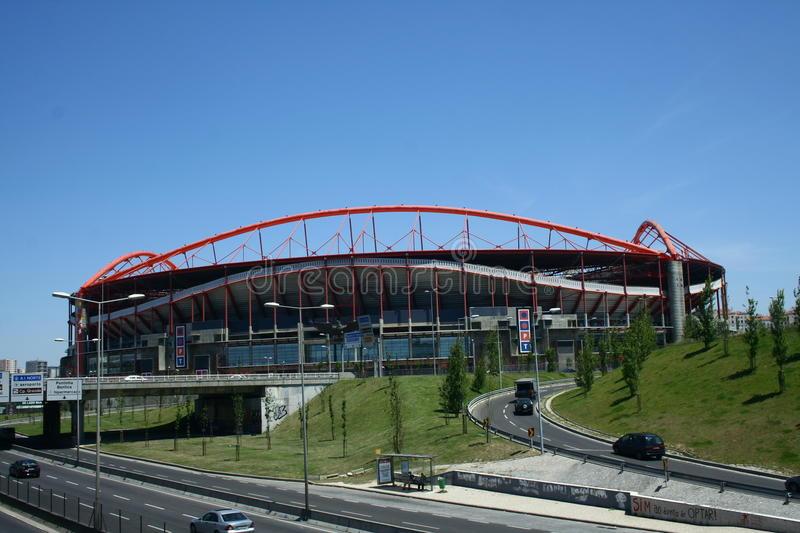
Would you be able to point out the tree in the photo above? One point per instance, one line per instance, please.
(453, 389)
(238, 416)
(120, 406)
(797, 304)
(177, 426)
(724, 332)
(188, 410)
(692, 329)
(160, 404)
(489, 350)
(602, 354)
(344, 428)
(777, 315)
(584, 373)
(203, 426)
(640, 340)
(552, 359)
(752, 330)
(479, 379)
(269, 411)
(705, 315)
(396, 414)
(330, 412)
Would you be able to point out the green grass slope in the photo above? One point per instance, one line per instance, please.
(368, 429)
(705, 404)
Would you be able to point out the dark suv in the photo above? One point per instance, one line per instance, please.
(523, 406)
(640, 445)
(24, 468)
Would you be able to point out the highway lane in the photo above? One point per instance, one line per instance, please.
(70, 490)
(500, 410)
(417, 514)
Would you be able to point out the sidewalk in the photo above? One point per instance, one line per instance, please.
(540, 507)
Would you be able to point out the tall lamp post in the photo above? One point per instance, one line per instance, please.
(301, 359)
(77, 409)
(98, 519)
(538, 388)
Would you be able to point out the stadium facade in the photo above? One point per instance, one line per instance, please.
(426, 276)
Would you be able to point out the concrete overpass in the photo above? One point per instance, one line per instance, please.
(213, 391)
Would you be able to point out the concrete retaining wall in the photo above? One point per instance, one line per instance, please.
(708, 516)
(608, 498)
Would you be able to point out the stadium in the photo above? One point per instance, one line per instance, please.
(425, 276)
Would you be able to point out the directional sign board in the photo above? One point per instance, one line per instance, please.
(27, 387)
(180, 347)
(5, 387)
(524, 328)
(64, 389)
(352, 339)
(365, 327)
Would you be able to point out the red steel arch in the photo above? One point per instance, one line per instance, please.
(650, 232)
(122, 263)
(154, 261)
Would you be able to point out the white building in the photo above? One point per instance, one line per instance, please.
(8, 365)
(37, 365)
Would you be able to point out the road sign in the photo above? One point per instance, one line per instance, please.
(66, 389)
(365, 327)
(524, 328)
(5, 387)
(531, 432)
(352, 339)
(27, 387)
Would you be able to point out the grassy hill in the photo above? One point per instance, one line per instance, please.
(705, 404)
(368, 428)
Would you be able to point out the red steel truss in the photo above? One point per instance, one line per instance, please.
(558, 237)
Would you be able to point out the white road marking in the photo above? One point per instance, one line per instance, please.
(90, 488)
(119, 516)
(71, 482)
(122, 497)
(154, 506)
(59, 496)
(6, 463)
(420, 525)
(159, 528)
(357, 514)
(87, 505)
(190, 516)
(51, 477)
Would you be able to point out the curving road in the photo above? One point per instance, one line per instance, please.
(500, 410)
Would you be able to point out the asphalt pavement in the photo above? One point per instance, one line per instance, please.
(500, 410)
(10, 520)
(157, 506)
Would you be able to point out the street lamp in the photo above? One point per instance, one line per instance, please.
(301, 359)
(433, 330)
(98, 519)
(468, 336)
(77, 414)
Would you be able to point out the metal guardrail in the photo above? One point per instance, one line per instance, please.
(609, 462)
(203, 378)
(346, 522)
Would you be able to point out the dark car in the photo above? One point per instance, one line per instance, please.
(793, 485)
(24, 468)
(523, 406)
(640, 445)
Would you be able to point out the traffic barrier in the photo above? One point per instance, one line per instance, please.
(702, 515)
(597, 497)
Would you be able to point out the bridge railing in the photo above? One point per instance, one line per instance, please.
(203, 378)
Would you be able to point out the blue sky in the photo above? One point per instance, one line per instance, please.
(144, 126)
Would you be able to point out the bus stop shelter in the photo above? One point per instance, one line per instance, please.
(386, 467)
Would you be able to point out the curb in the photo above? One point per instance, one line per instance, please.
(569, 425)
(491, 508)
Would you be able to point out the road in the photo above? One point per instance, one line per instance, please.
(157, 506)
(10, 521)
(500, 410)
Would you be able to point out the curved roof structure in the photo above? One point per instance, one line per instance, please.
(248, 243)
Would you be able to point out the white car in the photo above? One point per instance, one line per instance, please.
(134, 378)
(221, 520)
(237, 376)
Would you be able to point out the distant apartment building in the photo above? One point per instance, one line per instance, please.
(8, 365)
(52, 371)
(36, 366)
(737, 320)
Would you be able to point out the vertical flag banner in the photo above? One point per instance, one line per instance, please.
(180, 346)
(524, 327)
